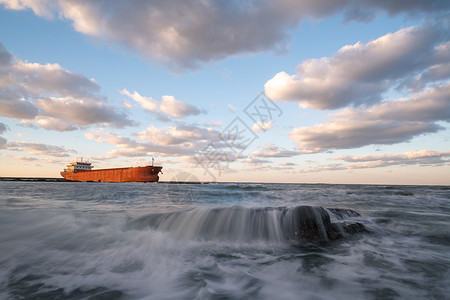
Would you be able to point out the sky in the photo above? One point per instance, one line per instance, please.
(321, 91)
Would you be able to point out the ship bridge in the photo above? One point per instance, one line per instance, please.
(79, 166)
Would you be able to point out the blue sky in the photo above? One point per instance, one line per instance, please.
(359, 91)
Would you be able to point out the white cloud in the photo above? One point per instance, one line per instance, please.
(35, 92)
(173, 107)
(179, 134)
(179, 140)
(49, 79)
(22, 158)
(48, 160)
(168, 106)
(41, 8)
(360, 73)
(130, 148)
(423, 157)
(147, 103)
(82, 112)
(386, 123)
(40, 149)
(186, 33)
(262, 126)
(54, 124)
(271, 150)
(231, 108)
(253, 161)
(214, 123)
(420, 157)
(126, 104)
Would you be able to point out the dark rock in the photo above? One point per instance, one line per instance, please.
(353, 228)
(341, 213)
(312, 224)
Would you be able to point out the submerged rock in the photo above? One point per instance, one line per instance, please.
(307, 224)
(312, 224)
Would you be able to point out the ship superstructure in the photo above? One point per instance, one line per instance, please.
(78, 166)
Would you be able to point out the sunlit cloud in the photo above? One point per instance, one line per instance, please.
(54, 124)
(253, 160)
(179, 140)
(421, 157)
(271, 150)
(214, 123)
(40, 149)
(179, 134)
(390, 122)
(262, 126)
(166, 108)
(82, 112)
(360, 73)
(185, 34)
(52, 97)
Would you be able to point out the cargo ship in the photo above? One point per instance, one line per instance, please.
(82, 171)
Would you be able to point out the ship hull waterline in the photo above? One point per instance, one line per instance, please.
(131, 174)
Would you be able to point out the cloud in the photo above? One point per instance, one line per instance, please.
(231, 107)
(264, 126)
(252, 161)
(185, 34)
(22, 158)
(360, 73)
(40, 149)
(35, 92)
(37, 79)
(390, 122)
(82, 112)
(179, 134)
(173, 107)
(179, 140)
(270, 150)
(420, 157)
(168, 106)
(3, 128)
(47, 160)
(41, 8)
(126, 104)
(54, 124)
(214, 123)
(3, 143)
(128, 147)
(12, 105)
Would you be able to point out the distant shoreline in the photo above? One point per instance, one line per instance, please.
(32, 179)
(51, 179)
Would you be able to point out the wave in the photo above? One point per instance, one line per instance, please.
(243, 224)
(245, 187)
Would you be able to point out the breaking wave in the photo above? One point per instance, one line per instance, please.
(243, 224)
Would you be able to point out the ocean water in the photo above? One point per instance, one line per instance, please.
(62, 240)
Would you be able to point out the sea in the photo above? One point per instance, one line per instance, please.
(75, 240)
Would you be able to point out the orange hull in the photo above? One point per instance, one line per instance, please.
(132, 174)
